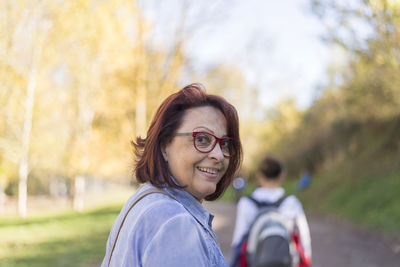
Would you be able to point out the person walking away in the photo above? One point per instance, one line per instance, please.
(239, 185)
(304, 182)
(191, 153)
(270, 194)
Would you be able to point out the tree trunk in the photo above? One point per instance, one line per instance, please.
(79, 193)
(2, 195)
(23, 188)
(29, 103)
(26, 134)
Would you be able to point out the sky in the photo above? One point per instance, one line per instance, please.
(276, 44)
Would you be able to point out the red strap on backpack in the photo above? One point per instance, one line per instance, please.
(243, 255)
(304, 261)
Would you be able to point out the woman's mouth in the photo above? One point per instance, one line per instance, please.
(210, 172)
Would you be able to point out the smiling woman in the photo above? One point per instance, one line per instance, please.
(191, 153)
(198, 172)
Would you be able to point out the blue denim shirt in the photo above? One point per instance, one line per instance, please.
(161, 231)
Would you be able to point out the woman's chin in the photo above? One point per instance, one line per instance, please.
(209, 190)
(203, 191)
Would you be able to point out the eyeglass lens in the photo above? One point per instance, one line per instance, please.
(205, 143)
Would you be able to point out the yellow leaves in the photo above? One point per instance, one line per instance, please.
(394, 4)
(377, 4)
(381, 5)
(9, 78)
(95, 55)
(289, 114)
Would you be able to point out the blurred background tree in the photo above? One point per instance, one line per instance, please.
(81, 79)
(362, 94)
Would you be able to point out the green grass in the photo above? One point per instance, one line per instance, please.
(69, 239)
(369, 198)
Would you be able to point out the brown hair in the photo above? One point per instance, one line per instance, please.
(270, 167)
(150, 164)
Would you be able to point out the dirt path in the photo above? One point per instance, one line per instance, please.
(334, 243)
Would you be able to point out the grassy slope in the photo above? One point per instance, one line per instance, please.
(363, 191)
(364, 185)
(70, 239)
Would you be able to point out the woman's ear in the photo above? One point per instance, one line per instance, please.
(164, 152)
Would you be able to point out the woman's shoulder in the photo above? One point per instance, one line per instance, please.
(160, 205)
(153, 212)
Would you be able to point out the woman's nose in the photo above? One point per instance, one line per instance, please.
(216, 153)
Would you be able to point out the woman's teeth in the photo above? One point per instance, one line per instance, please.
(208, 170)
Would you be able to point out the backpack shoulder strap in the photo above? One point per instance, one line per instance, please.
(138, 198)
(280, 200)
(260, 204)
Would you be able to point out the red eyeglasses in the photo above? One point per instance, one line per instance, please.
(205, 142)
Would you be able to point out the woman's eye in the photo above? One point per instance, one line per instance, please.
(226, 143)
(203, 139)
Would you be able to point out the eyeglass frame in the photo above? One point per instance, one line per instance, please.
(217, 140)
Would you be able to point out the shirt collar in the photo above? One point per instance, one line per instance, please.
(268, 193)
(192, 205)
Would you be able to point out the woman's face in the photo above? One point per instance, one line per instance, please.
(199, 172)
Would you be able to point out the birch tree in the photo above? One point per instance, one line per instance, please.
(27, 30)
